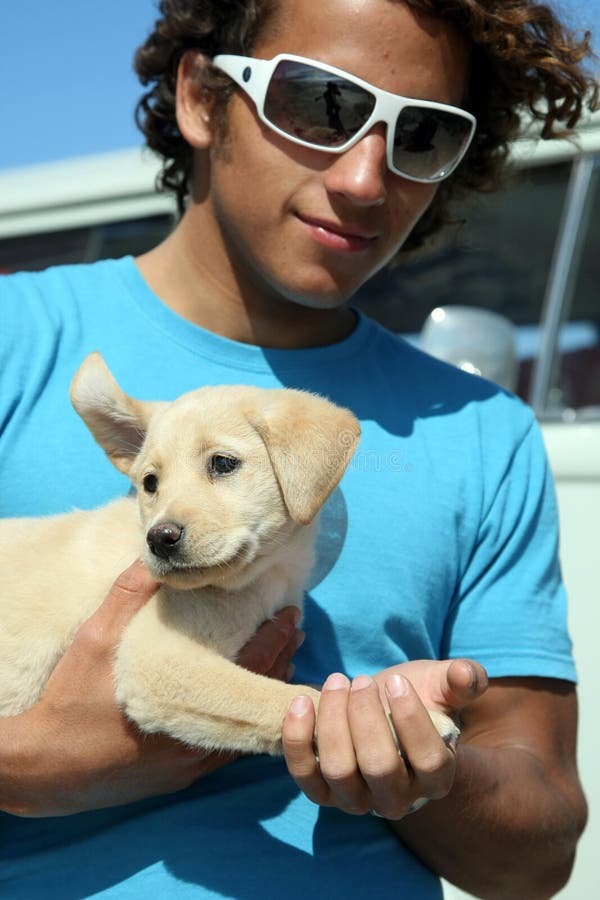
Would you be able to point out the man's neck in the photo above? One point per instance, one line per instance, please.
(195, 284)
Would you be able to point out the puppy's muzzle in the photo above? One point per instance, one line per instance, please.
(164, 539)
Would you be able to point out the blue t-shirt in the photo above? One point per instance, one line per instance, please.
(441, 541)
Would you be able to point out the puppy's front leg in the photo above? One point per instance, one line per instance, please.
(167, 682)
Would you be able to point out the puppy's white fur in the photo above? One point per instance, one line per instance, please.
(245, 551)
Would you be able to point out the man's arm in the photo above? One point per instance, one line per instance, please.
(509, 826)
(75, 750)
(508, 807)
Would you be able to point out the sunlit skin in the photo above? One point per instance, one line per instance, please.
(278, 237)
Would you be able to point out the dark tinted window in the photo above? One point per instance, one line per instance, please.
(111, 240)
(499, 259)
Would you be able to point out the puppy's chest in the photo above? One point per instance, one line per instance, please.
(225, 620)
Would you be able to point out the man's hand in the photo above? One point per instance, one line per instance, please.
(75, 750)
(510, 791)
(359, 768)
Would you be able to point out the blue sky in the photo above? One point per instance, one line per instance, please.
(68, 88)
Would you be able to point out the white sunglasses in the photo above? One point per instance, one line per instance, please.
(316, 105)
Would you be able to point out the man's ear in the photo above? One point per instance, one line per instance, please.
(117, 421)
(310, 442)
(194, 103)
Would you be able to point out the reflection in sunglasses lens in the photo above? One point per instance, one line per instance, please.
(315, 106)
(427, 141)
(327, 110)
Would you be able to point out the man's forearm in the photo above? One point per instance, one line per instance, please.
(506, 830)
(75, 750)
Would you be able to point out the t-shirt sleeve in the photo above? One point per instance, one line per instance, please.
(510, 611)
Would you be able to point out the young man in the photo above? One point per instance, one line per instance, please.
(437, 556)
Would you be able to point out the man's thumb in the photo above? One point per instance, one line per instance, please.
(465, 681)
(132, 589)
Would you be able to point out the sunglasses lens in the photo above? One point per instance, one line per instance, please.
(316, 106)
(427, 142)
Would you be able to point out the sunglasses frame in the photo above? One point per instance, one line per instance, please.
(254, 75)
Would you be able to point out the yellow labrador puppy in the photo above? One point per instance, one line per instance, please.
(229, 483)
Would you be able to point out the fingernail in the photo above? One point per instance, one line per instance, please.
(336, 682)
(300, 705)
(396, 686)
(473, 684)
(297, 616)
(361, 682)
(290, 672)
(300, 638)
(472, 676)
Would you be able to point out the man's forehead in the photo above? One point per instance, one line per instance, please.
(375, 40)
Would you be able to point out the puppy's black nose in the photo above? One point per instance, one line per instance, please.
(163, 539)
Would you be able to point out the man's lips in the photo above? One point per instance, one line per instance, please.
(338, 236)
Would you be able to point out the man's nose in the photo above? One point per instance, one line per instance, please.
(360, 173)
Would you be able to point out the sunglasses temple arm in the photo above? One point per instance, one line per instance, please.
(246, 71)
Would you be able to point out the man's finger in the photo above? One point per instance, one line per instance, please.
(132, 589)
(431, 762)
(298, 747)
(273, 638)
(283, 669)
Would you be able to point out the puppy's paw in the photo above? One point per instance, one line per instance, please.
(447, 729)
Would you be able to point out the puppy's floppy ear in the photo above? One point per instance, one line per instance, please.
(310, 442)
(117, 421)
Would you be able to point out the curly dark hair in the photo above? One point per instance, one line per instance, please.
(526, 65)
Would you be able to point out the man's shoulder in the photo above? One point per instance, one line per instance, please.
(45, 306)
(58, 280)
(440, 396)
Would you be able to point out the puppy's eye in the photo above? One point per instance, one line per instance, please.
(223, 465)
(150, 484)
